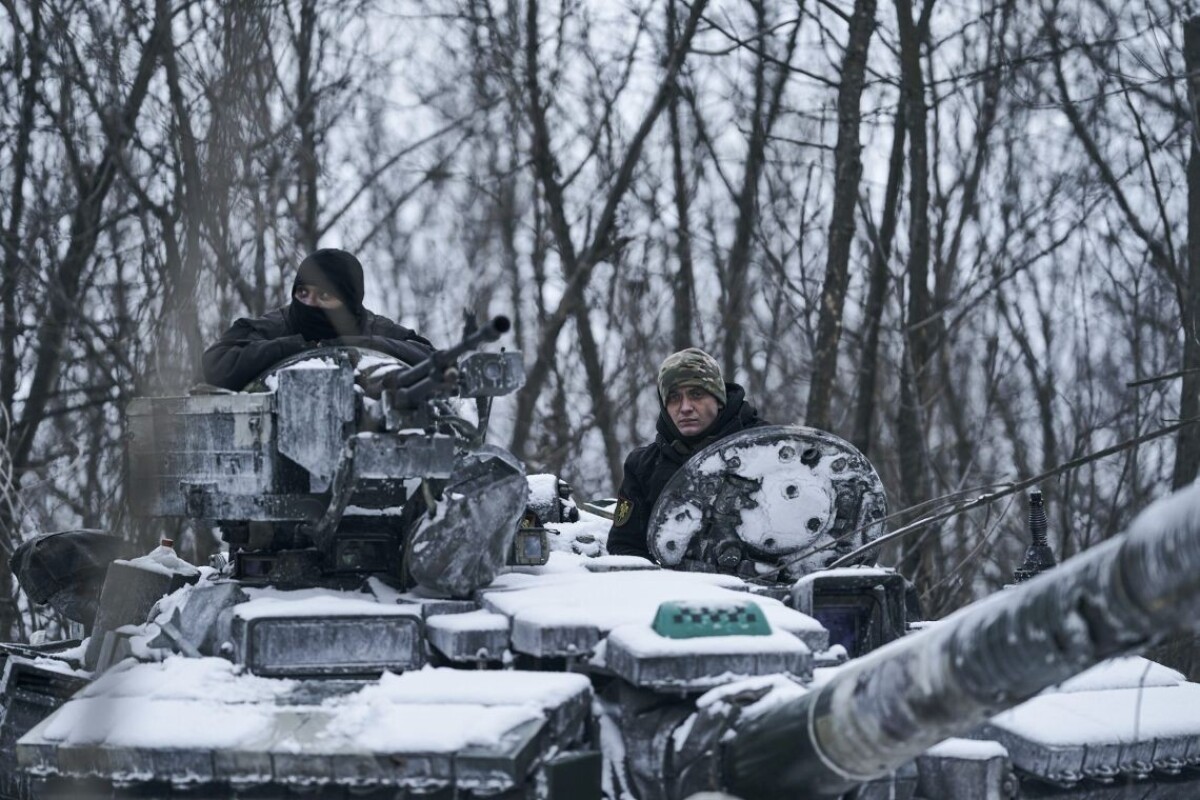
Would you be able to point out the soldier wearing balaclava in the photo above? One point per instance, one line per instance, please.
(325, 309)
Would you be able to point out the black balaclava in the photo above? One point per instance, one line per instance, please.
(335, 271)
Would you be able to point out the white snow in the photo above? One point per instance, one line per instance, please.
(180, 678)
(643, 641)
(676, 531)
(156, 723)
(792, 494)
(1122, 673)
(203, 703)
(968, 749)
(846, 572)
(426, 728)
(392, 511)
(55, 665)
(313, 364)
(576, 597)
(587, 537)
(326, 604)
(543, 488)
(542, 690)
(179, 702)
(756, 694)
(1110, 716)
(469, 621)
(164, 561)
(617, 563)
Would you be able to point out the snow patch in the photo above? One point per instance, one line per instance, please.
(968, 749)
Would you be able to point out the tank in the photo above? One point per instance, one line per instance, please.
(404, 613)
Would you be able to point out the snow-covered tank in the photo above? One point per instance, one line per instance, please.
(316, 663)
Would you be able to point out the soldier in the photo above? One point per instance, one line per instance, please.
(697, 407)
(326, 309)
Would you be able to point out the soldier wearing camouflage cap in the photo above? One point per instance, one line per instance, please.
(697, 406)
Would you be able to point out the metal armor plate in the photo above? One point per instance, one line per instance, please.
(773, 503)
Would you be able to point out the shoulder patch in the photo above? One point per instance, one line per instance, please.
(624, 509)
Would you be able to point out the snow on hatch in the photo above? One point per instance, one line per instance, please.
(321, 604)
(1102, 717)
(644, 641)
(444, 710)
(176, 703)
(968, 749)
(366, 721)
(610, 599)
(539, 690)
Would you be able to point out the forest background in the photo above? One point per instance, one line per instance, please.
(956, 233)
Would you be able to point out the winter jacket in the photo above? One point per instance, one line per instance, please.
(251, 346)
(647, 469)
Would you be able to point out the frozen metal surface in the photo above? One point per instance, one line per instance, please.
(950, 776)
(403, 455)
(699, 664)
(315, 406)
(464, 541)
(490, 374)
(347, 740)
(226, 441)
(779, 501)
(554, 639)
(1063, 739)
(473, 637)
(329, 636)
(29, 691)
(889, 706)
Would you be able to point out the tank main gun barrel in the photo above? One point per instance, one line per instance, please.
(890, 706)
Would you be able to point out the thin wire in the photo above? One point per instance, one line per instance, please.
(1018, 486)
(958, 506)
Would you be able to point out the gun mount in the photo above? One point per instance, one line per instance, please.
(307, 474)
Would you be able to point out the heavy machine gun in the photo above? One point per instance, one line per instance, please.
(442, 374)
(307, 474)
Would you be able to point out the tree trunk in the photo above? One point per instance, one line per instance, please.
(578, 265)
(737, 266)
(919, 561)
(51, 335)
(881, 253)
(9, 279)
(685, 280)
(306, 124)
(847, 173)
(1187, 452)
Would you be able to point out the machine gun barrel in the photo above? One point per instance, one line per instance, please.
(892, 705)
(440, 360)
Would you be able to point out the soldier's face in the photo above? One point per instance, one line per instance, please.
(691, 409)
(317, 298)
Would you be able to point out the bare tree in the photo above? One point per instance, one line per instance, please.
(847, 172)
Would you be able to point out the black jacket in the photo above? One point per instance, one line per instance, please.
(647, 469)
(251, 346)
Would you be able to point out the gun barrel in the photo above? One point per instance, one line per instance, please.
(439, 360)
(892, 705)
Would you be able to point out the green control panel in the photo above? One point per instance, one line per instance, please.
(683, 620)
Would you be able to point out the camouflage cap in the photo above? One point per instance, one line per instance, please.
(691, 367)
